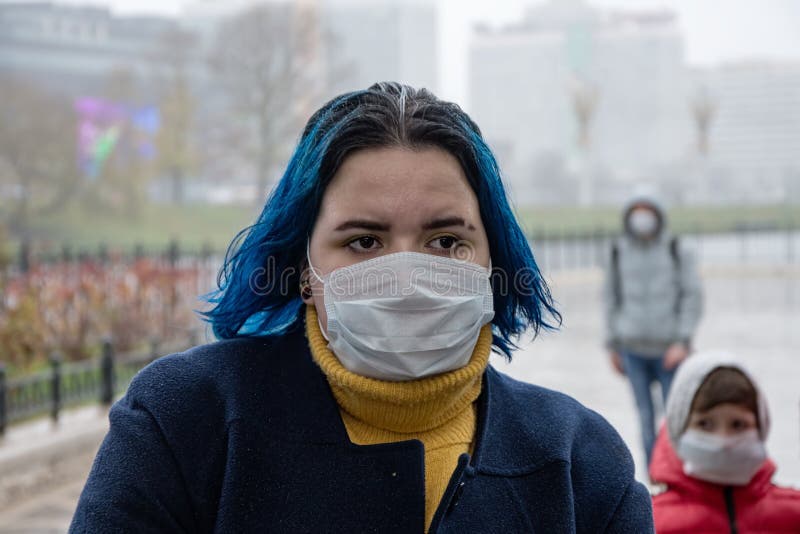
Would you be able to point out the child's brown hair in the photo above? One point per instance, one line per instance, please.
(725, 385)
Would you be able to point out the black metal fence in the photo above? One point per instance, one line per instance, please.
(28, 255)
(556, 249)
(123, 295)
(64, 385)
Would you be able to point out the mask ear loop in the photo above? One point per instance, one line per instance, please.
(314, 272)
(308, 260)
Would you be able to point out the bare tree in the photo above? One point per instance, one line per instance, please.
(122, 176)
(172, 60)
(38, 168)
(267, 61)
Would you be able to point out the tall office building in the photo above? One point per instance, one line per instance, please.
(73, 49)
(380, 40)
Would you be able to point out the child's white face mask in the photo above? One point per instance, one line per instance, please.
(406, 315)
(728, 460)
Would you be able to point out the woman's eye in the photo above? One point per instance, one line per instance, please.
(364, 243)
(444, 242)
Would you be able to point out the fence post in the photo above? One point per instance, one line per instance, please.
(193, 337)
(597, 248)
(173, 253)
(102, 253)
(743, 249)
(25, 255)
(154, 348)
(206, 251)
(55, 363)
(699, 235)
(107, 373)
(3, 405)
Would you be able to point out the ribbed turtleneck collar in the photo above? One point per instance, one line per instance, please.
(410, 406)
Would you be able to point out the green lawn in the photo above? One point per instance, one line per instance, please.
(537, 220)
(196, 225)
(193, 226)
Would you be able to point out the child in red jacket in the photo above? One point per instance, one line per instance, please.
(711, 456)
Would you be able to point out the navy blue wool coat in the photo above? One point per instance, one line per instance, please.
(244, 435)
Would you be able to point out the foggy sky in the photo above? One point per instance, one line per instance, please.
(716, 30)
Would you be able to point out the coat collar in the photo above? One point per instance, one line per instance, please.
(519, 427)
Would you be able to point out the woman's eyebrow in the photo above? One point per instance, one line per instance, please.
(445, 222)
(363, 224)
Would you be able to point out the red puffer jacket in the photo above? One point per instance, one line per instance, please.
(690, 505)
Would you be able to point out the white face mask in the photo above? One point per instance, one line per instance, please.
(729, 460)
(643, 222)
(406, 315)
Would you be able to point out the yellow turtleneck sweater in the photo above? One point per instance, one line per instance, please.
(438, 410)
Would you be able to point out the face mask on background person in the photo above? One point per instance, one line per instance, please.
(728, 460)
(406, 315)
(643, 222)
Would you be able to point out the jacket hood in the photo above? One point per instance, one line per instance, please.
(647, 196)
(688, 379)
(666, 467)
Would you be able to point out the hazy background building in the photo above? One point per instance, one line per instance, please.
(578, 99)
(575, 98)
(213, 52)
(754, 131)
(76, 49)
(377, 40)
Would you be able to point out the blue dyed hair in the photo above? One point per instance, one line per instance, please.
(258, 291)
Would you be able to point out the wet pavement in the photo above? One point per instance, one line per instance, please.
(753, 311)
(48, 513)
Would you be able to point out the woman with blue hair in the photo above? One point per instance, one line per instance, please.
(350, 389)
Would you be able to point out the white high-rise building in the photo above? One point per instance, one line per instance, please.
(756, 119)
(754, 132)
(625, 71)
(73, 49)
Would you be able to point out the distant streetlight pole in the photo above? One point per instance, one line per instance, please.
(584, 103)
(703, 109)
(584, 100)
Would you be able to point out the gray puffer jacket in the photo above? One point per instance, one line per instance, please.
(652, 291)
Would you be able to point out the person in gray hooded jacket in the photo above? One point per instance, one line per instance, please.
(654, 301)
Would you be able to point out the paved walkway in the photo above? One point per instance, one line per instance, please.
(756, 313)
(43, 467)
(48, 513)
